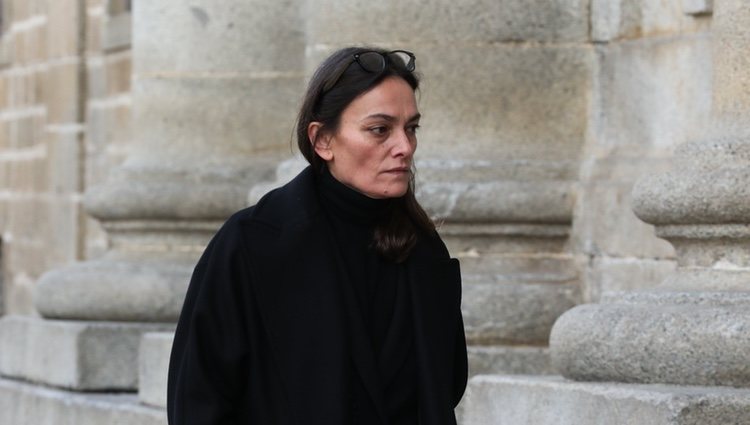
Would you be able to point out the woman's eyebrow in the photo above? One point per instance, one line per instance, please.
(391, 118)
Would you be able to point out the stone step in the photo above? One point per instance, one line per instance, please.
(516, 313)
(153, 368)
(26, 404)
(78, 355)
(512, 360)
(551, 400)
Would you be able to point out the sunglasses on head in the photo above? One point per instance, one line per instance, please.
(372, 61)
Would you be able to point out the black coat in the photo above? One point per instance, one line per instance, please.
(267, 334)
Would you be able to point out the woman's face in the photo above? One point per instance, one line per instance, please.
(372, 150)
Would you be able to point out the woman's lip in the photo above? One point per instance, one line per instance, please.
(398, 170)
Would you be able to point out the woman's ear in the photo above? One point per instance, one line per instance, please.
(321, 141)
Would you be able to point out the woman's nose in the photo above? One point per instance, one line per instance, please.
(405, 144)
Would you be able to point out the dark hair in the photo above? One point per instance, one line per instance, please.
(395, 235)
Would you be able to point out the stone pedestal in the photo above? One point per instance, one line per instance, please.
(692, 328)
(25, 404)
(83, 355)
(520, 400)
(153, 368)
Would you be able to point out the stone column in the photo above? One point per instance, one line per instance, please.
(693, 328)
(215, 88)
(676, 354)
(504, 104)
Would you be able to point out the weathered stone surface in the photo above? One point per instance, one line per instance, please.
(605, 225)
(605, 274)
(255, 116)
(64, 154)
(448, 21)
(500, 201)
(688, 344)
(526, 400)
(617, 19)
(697, 7)
(76, 355)
(255, 36)
(108, 75)
(652, 95)
(63, 88)
(66, 17)
(25, 404)
(153, 366)
(119, 290)
(520, 313)
(524, 360)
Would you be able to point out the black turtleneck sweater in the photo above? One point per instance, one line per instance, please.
(382, 298)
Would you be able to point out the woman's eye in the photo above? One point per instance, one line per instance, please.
(412, 128)
(379, 130)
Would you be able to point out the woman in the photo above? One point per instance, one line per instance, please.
(333, 300)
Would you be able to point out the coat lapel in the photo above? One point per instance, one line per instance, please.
(435, 284)
(363, 354)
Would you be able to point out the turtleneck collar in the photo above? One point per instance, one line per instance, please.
(347, 203)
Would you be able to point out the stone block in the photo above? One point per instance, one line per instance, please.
(477, 21)
(23, 214)
(94, 24)
(692, 343)
(153, 368)
(618, 19)
(109, 75)
(66, 17)
(512, 360)
(534, 105)
(605, 274)
(21, 131)
(116, 31)
(517, 313)
(108, 128)
(18, 291)
(75, 355)
(257, 37)
(63, 88)
(254, 116)
(19, 47)
(118, 72)
(654, 94)
(32, 44)
(96, 239)
(510, 201)
(697, 7)
(605, 224)
(26, 404)
(135, 289)
(60, 232)
(27, 257)
(527, 400)
(3, 87)
(64, 154)
(39, 95)
(20, 10)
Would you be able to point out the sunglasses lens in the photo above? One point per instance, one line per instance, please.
(372, 61)
(402, 59)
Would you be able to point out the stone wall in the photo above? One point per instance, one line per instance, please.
(65, 121)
